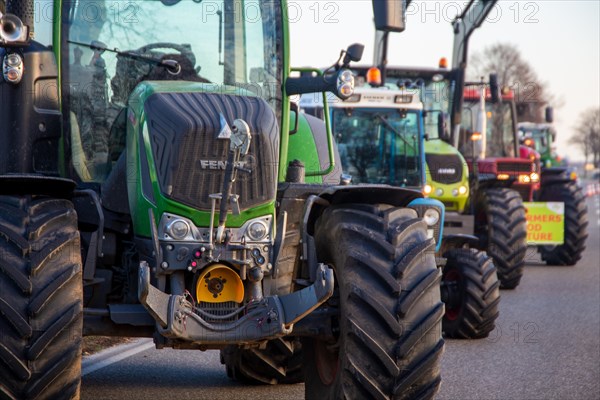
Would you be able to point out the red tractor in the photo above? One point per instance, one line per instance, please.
(498, 153)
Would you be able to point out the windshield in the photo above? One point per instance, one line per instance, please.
(500, 138)
(379, 145)
(500, 131)
(437, 98)
(223, 44)
(540, 137)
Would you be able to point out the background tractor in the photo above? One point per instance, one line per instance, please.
(161, 190)
(559, 183)
(494, 212)
(380, 136)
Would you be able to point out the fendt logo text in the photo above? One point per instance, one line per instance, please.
(214, 164)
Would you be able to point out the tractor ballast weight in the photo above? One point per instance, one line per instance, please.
(195, 219)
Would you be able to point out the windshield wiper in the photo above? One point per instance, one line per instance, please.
(391, 128)
(171, 65)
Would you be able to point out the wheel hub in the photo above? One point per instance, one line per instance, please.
(451, 295)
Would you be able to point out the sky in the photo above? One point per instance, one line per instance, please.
(559, 38)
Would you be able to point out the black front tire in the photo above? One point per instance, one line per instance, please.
(502, 229)
(389, 343)
(576, 222)
(280, 362)
(40, 299)
(472, 294)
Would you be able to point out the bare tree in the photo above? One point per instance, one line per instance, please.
(588, 135)
(505, 59)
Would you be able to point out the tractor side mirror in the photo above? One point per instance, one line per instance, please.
(549, 114)
(337, 79)
(354, 53)
(340, 83)
(389, 15)
(494, 88)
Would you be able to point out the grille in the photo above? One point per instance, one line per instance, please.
(450, 205)
(189, 158)
(218, 312)
(504, 167)
(444, 168)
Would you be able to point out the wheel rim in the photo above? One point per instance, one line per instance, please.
(454, 304)
(327, 362)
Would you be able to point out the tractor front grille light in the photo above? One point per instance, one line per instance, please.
(431, 216)
(432, 212)
(180, 229)
(439, 192)
(524, 178)
(12, 68)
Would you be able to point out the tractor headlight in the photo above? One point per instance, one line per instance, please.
(427, 189)
(257, 230)
(461, 190)
(439, 192)
(178, 229)
(432, 212)
(524, 179)
(535, 177)
(431, 216)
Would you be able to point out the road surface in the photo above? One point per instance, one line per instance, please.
(546, 346)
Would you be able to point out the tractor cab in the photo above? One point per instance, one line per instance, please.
(104, 59)
(541, 138)
(446, 172)
(379, 136)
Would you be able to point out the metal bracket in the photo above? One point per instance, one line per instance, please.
(155, 301)
(299, 304)
(269, 318)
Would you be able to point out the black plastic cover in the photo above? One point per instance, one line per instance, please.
(30, 117)
(190, 159)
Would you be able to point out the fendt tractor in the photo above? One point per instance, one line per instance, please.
(493, 212)
(152, 184)
(379, 132)
(558, 184)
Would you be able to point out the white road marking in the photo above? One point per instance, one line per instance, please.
(112, 355)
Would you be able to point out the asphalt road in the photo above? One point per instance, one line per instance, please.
(546, 346)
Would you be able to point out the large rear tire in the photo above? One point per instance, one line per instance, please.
(471, 291)
(502, 230)
(279, 362)
(576, 222)
(389, 342)
(40, 299)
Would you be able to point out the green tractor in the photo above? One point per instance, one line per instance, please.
(559, 183)
(542, 138)
(379, 133)
(170, 190)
